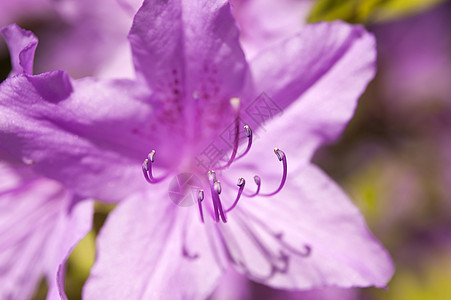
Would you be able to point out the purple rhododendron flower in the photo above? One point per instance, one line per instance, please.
(294, 228)
(415, 58)
(40, 220)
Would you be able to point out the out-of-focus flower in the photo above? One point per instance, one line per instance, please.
(77, 36)
(40, 220)
(92, 135)
(19, 10)
(358, 11)
(415, 59)
(393, 160)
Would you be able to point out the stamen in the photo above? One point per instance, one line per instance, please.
(241, 183)
(200, 198)
(215, 197)
(147, 169)
(282, 157)
(212, 176)
(248, 132)
(258, 182)
(217, 186)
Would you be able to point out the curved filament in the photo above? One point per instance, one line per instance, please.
(249, 135)
(282, 157)
(258, 182)
(147, 169)
(241, 184)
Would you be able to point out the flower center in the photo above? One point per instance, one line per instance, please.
(216, 209)
(218, 212)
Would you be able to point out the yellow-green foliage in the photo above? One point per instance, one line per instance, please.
(367, 11)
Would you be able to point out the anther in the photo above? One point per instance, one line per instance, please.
(147, 169)
(217, 186)
(257, 180)
(145, 165)
(212, 176)
(200, 198)
(279, 153)
(151, 156)
(247, 130)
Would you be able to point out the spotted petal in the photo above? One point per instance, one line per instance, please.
(189, 53)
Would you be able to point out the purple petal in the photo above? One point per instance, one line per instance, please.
(22, 45)
(233, 285)
(316, 80)
(329, 62)
(39, 223)
(310, 211)
(53, 86)
(93, 140)
(151, 249)
(187, 37)
(264, 23)
(70, 228)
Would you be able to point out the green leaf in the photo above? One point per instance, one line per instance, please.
(367, 11)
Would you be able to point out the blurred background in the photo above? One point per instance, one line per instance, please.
(394, 159)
